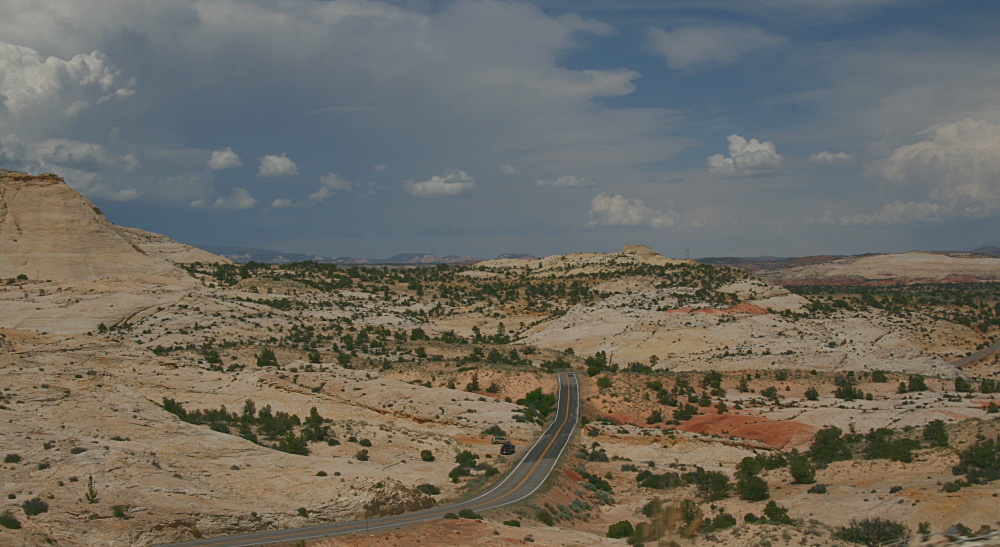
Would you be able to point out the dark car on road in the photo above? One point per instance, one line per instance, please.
(507, 449)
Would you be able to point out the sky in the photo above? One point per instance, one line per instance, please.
(476, 127)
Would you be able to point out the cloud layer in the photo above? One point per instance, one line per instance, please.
(619, 211)
(747, 159)
(687, 48)
(453, 183)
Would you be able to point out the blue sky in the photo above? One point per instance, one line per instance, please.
(363, 128)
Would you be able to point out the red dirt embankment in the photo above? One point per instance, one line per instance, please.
(783, 435)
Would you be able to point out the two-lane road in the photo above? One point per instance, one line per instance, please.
(522, 481)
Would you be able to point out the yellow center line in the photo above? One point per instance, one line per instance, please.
(382, 522)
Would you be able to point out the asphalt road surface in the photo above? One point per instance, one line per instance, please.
(978, 355)
(522, 481)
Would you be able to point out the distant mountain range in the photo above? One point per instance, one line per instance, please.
(268, 256)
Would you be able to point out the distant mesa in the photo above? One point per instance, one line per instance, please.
(243, 255)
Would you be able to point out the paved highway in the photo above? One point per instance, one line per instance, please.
(978, 355)
(522, 481)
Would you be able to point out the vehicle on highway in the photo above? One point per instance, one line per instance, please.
(507, 449)
(500, 439)
(570, 375)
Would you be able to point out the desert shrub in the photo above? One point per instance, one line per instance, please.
(426, 455)
(621, 529)
(542, 403)
(980, 462)
(776, 514)
(818, 489)
(429, 489)
(952, 487)
(936, 433)
(721, 522)
(543, 516)
(894, 489)
(34, 506)
(812, 394)
(7, 520)
(829, 446)
(513, 523)
(846, 388)
(365, 443)
(882, 445)
(468, 514)
(685, 412)
(12, 458)
(655, 418)
(495, 430)
(873, 531)
(752, 488)
(266, 358)
(916, 383)
(663, 481)
(361, 455)
(962, 385)
(458, 472)
(466, 458)
(879, 376)
(802, 469)
(303, 512)
(119, 512)
(713, 485)
(321, 473)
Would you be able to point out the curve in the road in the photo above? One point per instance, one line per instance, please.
(978, 355)
(527, 476)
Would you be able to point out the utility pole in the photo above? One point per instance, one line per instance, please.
(687, 254)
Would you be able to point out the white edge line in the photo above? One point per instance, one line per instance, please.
(369, 528)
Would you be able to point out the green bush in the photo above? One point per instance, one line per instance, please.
(450, 516)
(466, 458)
(620, 529)
(776, 514)
(829, 446)
(514, 523)
(468, 514)
(495, 430)
(119, 512)
(12, 458)
(935, 433)
(266, 358)
(980, 463)
(426, 455)
(361, 455)
(752, 488)
(34, 506)
(429, 489)
(802, 469)
(303, 512)
(7, 520)
(873, 531)
(812, 394)
(544, 517)
(818, 489)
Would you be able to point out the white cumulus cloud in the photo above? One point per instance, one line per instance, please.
(238, 199)
(284, 203)
(40, 94)
(954, 173)
(381, 167)
(509, 170)
(832, 158)
(694, 47)
(85, 156)
(224, 159)
(277, 166)
(751, 158)
(453, 183)
(619, 211)
(568, 181)
(328, 183)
